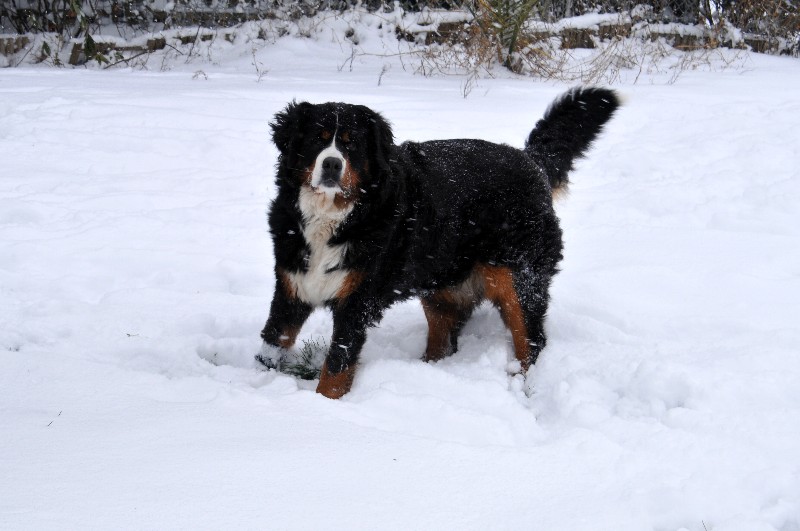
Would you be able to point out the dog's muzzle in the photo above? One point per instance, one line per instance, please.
(331, 172)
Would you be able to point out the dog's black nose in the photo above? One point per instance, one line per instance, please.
(331, 171)
(332, 165)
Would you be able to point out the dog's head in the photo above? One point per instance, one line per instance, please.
(333, 148)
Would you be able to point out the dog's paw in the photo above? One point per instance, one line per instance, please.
(270, 356)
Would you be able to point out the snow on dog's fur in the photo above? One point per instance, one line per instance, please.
(360, 223)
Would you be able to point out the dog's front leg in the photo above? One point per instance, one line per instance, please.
(286, 316)
(350, 323)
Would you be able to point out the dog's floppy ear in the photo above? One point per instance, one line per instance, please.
(382, 139)
(288, 124)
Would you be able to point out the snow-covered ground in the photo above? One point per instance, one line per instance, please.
(136, 274)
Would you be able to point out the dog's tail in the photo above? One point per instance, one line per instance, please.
(567, 130)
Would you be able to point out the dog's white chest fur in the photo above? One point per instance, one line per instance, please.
(324, 276)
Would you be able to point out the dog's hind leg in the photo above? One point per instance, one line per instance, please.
(446, 317)
(532, 285)
(521, 295)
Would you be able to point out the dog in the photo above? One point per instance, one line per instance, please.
(360, 223)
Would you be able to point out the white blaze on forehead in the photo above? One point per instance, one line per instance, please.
(330, 151)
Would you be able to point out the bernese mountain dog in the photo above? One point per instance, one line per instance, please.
(360, 223)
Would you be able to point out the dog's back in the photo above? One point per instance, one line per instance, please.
(477, 201)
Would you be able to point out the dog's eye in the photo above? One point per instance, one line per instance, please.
(345, 137)
(325, 135)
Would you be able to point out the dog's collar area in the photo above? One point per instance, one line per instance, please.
(324, 201)
(324, 189)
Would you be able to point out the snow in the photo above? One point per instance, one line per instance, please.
(136, 274)
(587, 21)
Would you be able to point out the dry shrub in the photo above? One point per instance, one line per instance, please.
(501, 24)
(618, 60)
(771, 18)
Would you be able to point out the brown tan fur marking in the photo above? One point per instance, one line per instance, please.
(445, 310)
(288, 286)
(561, 193)
(350, 180)
(349, 285)
(288, 337)
(441, 321)
(440, 324)
(341, 202)
(349, 184)
(306, 176)
(499, 286)
(335, 385)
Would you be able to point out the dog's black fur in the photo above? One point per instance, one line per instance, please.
(369, 223)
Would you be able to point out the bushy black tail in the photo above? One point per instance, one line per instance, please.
(567, 130)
